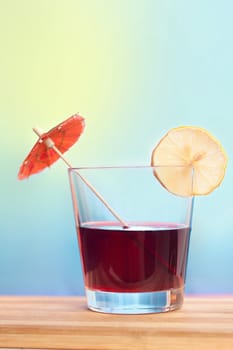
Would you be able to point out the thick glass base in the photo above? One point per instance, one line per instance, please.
(135, 303)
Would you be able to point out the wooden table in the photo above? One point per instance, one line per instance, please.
(65, 323)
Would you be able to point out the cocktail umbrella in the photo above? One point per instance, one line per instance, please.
(50, 147)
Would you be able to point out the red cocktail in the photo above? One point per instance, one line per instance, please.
(145, 258)
(135, 265)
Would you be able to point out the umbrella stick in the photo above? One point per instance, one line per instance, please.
(50, 144)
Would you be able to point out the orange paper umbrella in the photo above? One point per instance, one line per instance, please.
(51, 146)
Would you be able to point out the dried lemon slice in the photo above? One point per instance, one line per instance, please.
(189, 161)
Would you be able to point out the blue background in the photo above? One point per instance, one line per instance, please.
(133, 69)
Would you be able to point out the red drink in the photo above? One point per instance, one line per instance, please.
(147, 257)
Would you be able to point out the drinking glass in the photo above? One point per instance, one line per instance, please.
(133, 237)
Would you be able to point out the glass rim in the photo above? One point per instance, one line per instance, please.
(103, 167)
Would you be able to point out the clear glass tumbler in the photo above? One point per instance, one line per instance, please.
(133, 237)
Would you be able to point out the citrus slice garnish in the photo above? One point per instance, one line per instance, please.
(189, 161)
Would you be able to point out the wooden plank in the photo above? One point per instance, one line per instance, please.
(65, 323)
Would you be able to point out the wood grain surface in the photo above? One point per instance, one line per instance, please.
(65, 323)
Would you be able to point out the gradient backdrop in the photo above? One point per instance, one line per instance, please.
(134, 69)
